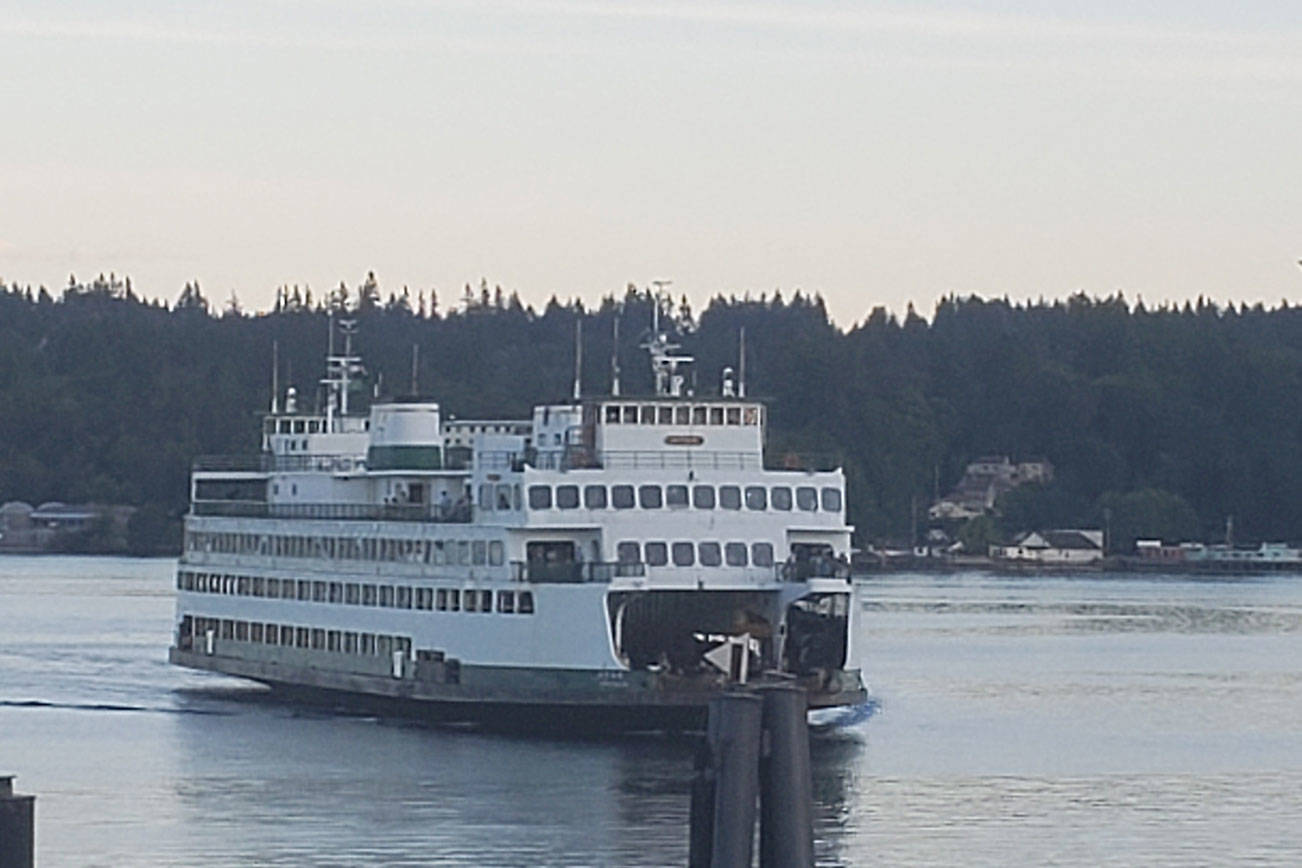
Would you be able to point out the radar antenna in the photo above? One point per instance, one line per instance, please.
(664, 362)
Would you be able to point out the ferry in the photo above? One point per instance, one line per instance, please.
(610, 563)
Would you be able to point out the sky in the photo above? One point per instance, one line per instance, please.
(875, 153)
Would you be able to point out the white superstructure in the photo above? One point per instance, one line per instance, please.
(616, 556)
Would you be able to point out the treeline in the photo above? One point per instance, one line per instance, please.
(1170, 419)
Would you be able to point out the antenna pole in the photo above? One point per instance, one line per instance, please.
(614, 359)
(330, 354)
(578, 356)
(275, 375)
(655, 306)
(741, 364)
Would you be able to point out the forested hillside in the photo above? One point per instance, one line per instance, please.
(1171, 418)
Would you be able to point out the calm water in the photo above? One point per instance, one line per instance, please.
(1077, 721)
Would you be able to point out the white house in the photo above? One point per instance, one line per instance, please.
(1053, 547)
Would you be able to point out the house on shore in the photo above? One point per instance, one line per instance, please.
(1062, 547)
(62, 527)
(983, 482)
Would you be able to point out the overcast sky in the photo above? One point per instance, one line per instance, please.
(877, 153)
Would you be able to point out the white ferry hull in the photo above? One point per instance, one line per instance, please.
(515, 698)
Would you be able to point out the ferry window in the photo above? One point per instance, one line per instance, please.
(403, 600)
(352, 593)
(684, 554)
(648, 415)
(441, 600)
(336, 592)
(302, 637)
(710, 554)
(630, 415)
(698, 415)
(757, 497)
(716, 415)
(271, 635)
(734, 415)
(506, 602)
(665, 415)
(628, 553)
(243, 586)
(703, 496)
(730, 497)
(259, 586)
(386, 595)
(752, 416)
(485, 496)
(594, 496)
(526, 603)
(383, 645)
(454, 600)
(734, 554)
(319, 592)
(350, 643)
(463, 552)
(781, 497)
(504, 497)
(567, 496)
(761, 554)
(285, 426)
(683, 415)
(676, 496)
(621, 496)
(318, 638)
(650, 496)
(540, 497)
(300, 427)
(485, 601)
(657, 554)
(496, 553)
(438, 553)
(368, 643)
(304, 590)
(368, 595)
(313, 426)
(807, 498)
(479, 552)
(831, 500)
(333, 640)
(612, 414)
(286, 634)
(242, 630)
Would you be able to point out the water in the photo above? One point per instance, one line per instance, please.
(1071, 720)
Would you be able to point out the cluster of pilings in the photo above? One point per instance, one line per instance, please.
(755, 760)
(17, 829)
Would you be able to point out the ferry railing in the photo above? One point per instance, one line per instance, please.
(455, 514)
(818, 568)
(578, 458)
(280, 463)
(574, 572)
(683, 459)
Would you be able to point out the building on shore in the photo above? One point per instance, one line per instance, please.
(62, 527)
(983, 482)
(1065, 547)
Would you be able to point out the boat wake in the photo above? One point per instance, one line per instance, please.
(845, 717)
(101, 706)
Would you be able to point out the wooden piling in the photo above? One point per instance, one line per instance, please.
(17, 827)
